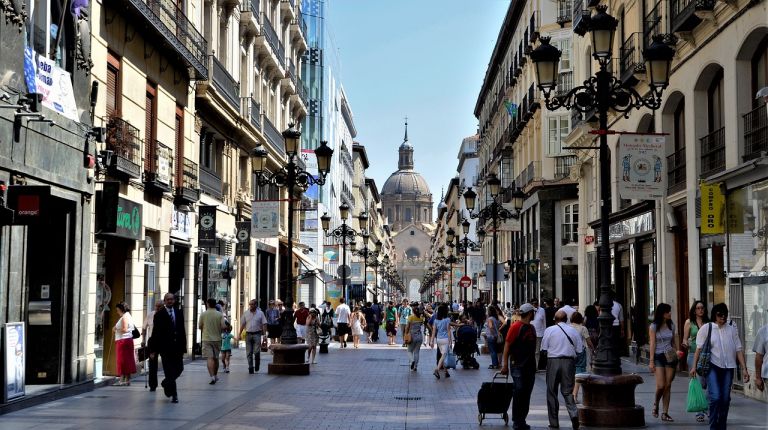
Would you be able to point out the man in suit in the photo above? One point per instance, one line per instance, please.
(169, 339)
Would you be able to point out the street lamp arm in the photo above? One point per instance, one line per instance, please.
(290, 175)
(494, 210)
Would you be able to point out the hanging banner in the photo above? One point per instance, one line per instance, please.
(243, 238)
(330, 254)
(643, 166)
(266, 219)
(356, 273)
(206, 228)
(54, 83)
(712, 206)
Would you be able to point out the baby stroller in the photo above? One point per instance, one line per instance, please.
(466, 347)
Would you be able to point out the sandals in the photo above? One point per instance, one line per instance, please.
(437, 374)
(665, 417)
(700, 418)
(655, 410)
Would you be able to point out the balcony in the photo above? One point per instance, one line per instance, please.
(273, 41)
(226, 84)
(188, 189)
(299, 31)
(166, 25)
(563, 166)
(533, 99)
(676, 171)
(713, 153)
(123, 140)
(273, 135)
(685, 15)
(249, 16)
(157, 167)
(564, 83)
(578, 118)
(755, 133)
(210, 183)
(530, 174)
(251, 110)
(564, 12)
(288, 9)
(301, 91)
(581, 17)
(652, 25)
(631, 62)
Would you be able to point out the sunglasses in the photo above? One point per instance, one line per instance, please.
(721, 315)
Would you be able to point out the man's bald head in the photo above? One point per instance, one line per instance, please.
(561, 316)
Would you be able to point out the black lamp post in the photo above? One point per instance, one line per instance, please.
(495, 212)
(369, 256)
(611, 402)
(293, 178)
(463, 247)
(343, 234)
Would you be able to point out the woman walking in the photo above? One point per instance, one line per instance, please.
(726, 349)
(357, 326)
(126, 364)
(492, 335)
(405, 313)
(313, 324)
(697, 317)
(577, 322)
(415, 328)
(441, 334)
(661, 335)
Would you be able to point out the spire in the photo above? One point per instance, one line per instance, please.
(405, 161)
(405, 139)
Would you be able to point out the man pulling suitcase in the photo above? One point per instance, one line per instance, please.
(519, 362)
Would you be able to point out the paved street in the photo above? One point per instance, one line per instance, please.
(369, 388)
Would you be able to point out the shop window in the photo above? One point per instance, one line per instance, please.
(570, 223)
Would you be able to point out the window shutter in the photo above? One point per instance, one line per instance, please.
(149, 128)
(179, 146)
(113, 82)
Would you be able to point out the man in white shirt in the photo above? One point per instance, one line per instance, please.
(342, 323)
(254, 322)
(618, 327)
(569, 309)
(539, 323)
(761, 365)
(562, 342)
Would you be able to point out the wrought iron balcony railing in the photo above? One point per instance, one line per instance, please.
(713, 152)
(755, 133)
(124, 142)
(273, 135)
(165, 20)
(158, 167)
(301, 91)
(274, 41)
(676, 171)
(581, 17)
(252, 110)
(631, 59)
(683, 14)
(563, 166)
(652, 24)
(225, 83)
(211, 184)
(250, 6)
(188, 188)
(564, 12)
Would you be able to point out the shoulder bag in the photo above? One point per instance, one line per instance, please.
(135, 333)
(705, 356)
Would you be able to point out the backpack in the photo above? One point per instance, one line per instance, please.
(327, 319)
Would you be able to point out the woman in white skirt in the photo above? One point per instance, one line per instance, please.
(358, 319)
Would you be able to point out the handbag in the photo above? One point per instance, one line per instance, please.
(450, 360)
(671, 356)
(702, 366)
(407, 338)
(142, 353)
(135, 333)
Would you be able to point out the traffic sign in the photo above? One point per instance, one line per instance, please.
(465, 281)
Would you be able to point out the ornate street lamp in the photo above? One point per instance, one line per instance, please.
(463, 247)
(345, 235)
(609, 395)
(296, 180)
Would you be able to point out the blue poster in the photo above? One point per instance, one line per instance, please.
(15, 351)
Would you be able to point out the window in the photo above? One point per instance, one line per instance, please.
(150, 130)
(179, 137)
(389, 215)
(408, 215)
(559, 127)
(570, 223)
(413, 233)
(564, 45)
(114, 95)
(679, 126)
(44, 34)
(715, 102)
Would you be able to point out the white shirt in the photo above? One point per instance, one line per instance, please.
(149, 324)
(556, 343)
(254, 321)
(724, 344)
(539, 321)
(342, 312)
(568, 311)
(128, 333)
(617, 312)
(761, 347)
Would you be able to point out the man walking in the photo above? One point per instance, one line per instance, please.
(404, 313)
(274, 329)
(254, 322)
(301, 315)
(540, 324)
(210, 324)
(342, 329)
(562, 343)
(169, 339)
(519, 361)
(378, 314)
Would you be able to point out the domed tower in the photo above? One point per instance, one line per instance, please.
(405, 197)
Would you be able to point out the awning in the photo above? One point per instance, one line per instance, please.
(306, 261)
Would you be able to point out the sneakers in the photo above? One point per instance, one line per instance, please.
(213, 380)
(226, 370)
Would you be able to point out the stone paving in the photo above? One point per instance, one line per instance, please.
(367, 388)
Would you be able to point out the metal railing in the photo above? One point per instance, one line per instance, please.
(529, 174)
(676, 171)
(274, 41)
(580, 17)
(301, 91)
(755, 133)
(273, 135)
(563, 166)
(158, 164)
(681, 10)
(713, 152)
(252, 111)
(534, 25)
(302, 24)
(250, 6)
(631, 58)
(211, 184)
(652, 24)
(228, 86)
(123, 140)
(189, 175)
(292, 72)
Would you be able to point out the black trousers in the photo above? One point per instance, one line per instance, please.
(173, 365)
(152, 362)
(521, 396)
(375, 333)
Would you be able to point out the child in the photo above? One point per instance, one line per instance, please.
(226, 347)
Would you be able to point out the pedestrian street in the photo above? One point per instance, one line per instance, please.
(366, 388)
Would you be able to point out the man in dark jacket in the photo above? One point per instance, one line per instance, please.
(169, 339)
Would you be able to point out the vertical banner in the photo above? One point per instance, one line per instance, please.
(206, 229)
(356, 273)
(265, 221)
(330, 254)
(712, 205)
(643, 164)
(243, 238)
(14, 349)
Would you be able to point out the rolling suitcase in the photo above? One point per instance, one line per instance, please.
(494, 398)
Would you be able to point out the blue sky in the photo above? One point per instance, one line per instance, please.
(422, 58)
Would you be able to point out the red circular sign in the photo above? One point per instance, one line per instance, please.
(438, 292)
(465, 281)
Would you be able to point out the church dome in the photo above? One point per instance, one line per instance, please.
(405, 182)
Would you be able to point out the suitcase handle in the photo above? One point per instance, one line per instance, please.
(498, 375)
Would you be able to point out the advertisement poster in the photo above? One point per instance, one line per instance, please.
(643, 163)
(54, 83)
(330, 254)
(356, 273)
(265, 221)
(163, 159)
(712, 208)
(14, 347)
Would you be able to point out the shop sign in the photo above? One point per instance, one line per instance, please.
(181, 225)
(206, 227)
(533, 270)
(643, 166)
(633, 226)
(28, 202)
(265, 221)
(43, 76)
(14, 356)
(163, 158)
(115, 215)
(712, 207)
(243, 238)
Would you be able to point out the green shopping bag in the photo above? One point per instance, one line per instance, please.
(697, 400)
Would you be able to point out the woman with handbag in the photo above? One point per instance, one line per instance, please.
(718, 349)
(441, 334)
(412, 335)
(492, 335)
(123, 333)
(661, 335)
(697, 317)
(313, 332)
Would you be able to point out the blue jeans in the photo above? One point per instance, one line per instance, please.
(719, 383)
(492, 351)
(524, 379)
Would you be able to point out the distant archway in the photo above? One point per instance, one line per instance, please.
(413, 289)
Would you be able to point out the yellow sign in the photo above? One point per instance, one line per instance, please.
(712, 206)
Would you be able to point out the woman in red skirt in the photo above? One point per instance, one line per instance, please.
(123, 331)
